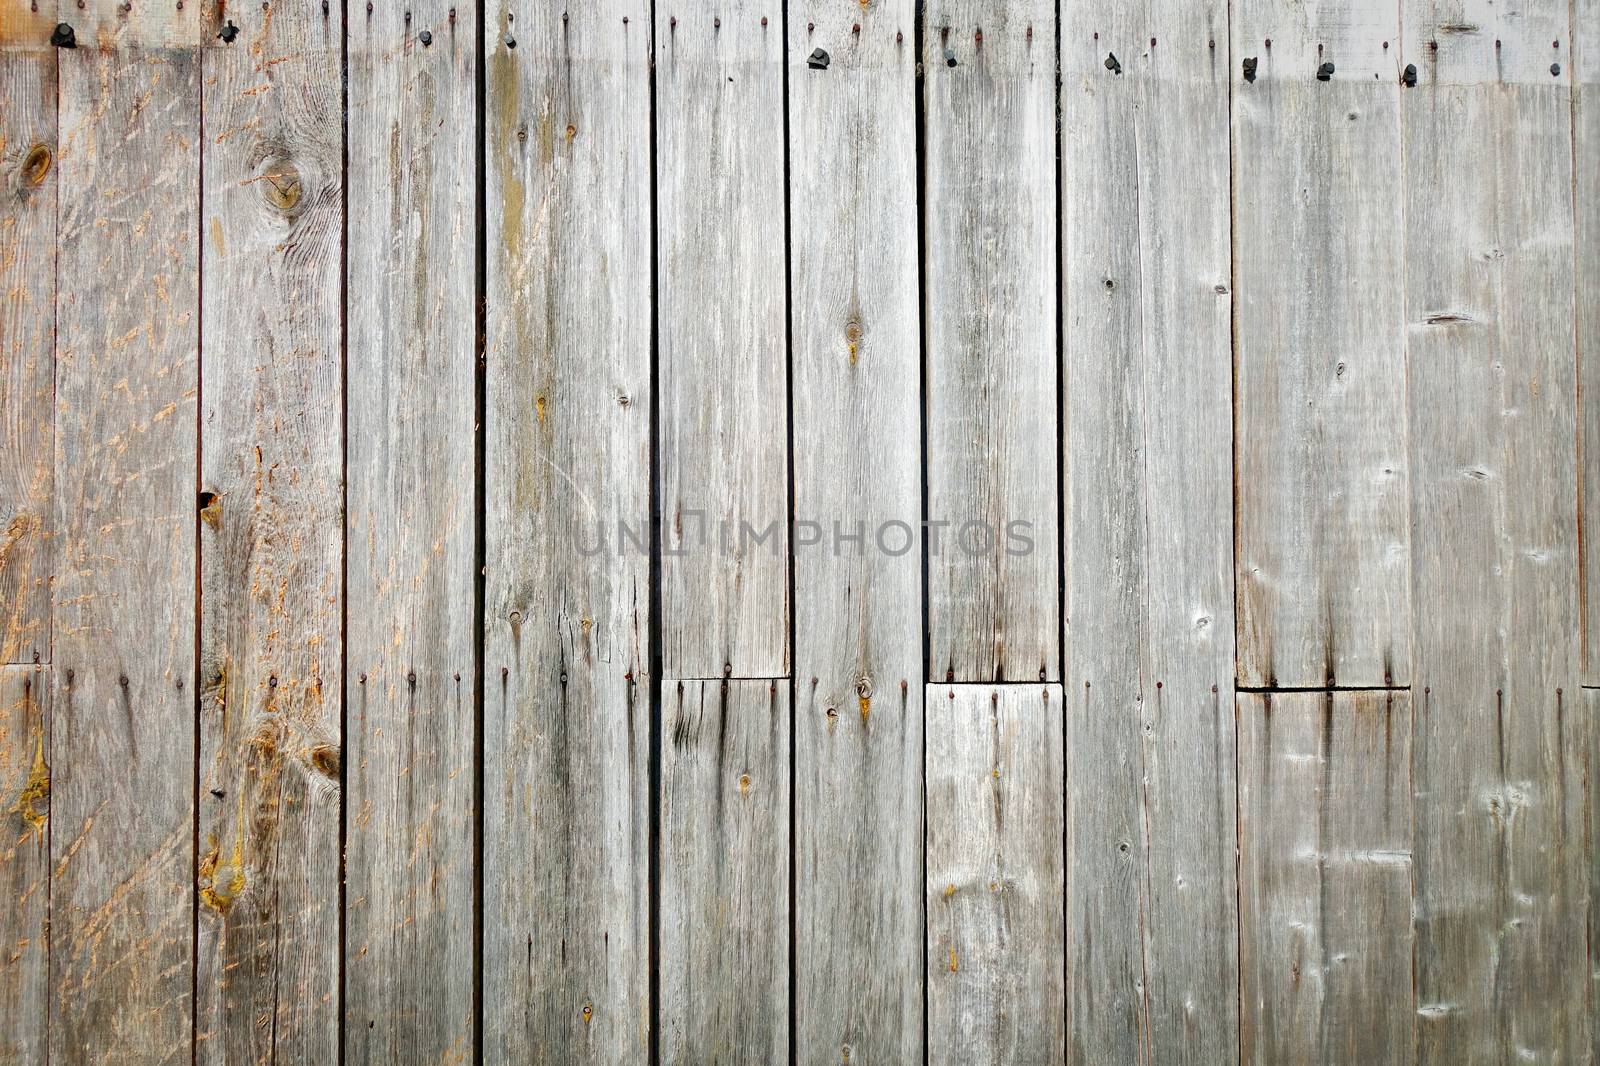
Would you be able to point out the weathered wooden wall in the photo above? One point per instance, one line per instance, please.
(847, 531)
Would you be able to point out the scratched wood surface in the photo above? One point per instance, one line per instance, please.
(567, 606)
(271, 546)
(1148, 519)
(1325, 835)
(487, 568)
(411, 648)
(857, 610)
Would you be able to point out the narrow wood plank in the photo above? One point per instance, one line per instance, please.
(27, 348)
(1150, 770)
(567, 724)
(1322, 558)
(271, 538)
(1585, 60)
(1325, 877)
(121, 24)
(1590, 708)
(724, 869)
(723, 339)
(857, 462)
(994, 875)
(122, 745)
(24, 861)
(994, 575)
(1489, 259)
(410, 569)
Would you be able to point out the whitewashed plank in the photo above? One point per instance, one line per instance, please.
(122, 743)
(567, 724)
(1145, 231)
(27, 345)
(1322, 560)
(994, 600)
(994, 875)
(24, 861)
(1585, 60)
(1489, 261)
(1325, 877)
(857, 461)
(271, 538)
(725, 857)
(723, 339)
(410, 569)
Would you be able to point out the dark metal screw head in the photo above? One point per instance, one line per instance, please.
(1111, 63)
(229, 33)
(1250, 69)
(63, 37)
(511, 42)
(1555, 69)
(818, 60)
(426, 37)
(1325, 72)
(1409, 78)
(949, 58)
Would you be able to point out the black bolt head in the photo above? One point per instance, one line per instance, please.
(511, 42)
(818, 60)
(1410, 75)
(63, 37)
(229, 32)
(426, 37)
(1250, 69)
(949, 58)
(1111, 63)
(1555, 69)
(1325, 72)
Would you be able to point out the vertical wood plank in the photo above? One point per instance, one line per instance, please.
(24, 861)
(567, 725)
(1325, 877)
(410, 570)
(994, 875)
(725, 853)
(723, 339)
(858, 605)
(122, 744)
(1489, 261)
(1150, 769)
(994, 578)
(1585, 60)
(1322, 556)
(271, 538)
(27, 343)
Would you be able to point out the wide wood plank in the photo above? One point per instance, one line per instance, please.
(858, 604)
(410, 562)
(122, 744)
(567, 724)
(24, 861)
(723, 339)
(724, 871)
(1489, 260)
(1323, 574)
(1325, 877)
(1585, 60)
(271, 538)
(994, 575)
(994, 875)
(27, 347)
(1150, 882)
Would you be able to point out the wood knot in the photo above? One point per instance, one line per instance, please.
(281, 185)
(36, 164)
(325, 760)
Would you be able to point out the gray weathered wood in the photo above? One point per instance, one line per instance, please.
(723, 494)
(1151, 967)
(410, 570)
(122, 744)
(27, 342)
(1325, 877)
(1323, 574)
(994, 602)
(1500, 871)
(1585, 60)
(567, 723)
(724, 873)
(994, 875)
(857, 461)
(121, 25)
(24, 859)
(271, 538)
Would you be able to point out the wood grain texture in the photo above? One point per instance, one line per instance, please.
(1151, 965)
(122, 744)
(1489, 257)
(567, 723)
(724, 870)
(858, 606)
(410, 562)
(124, 25)
(271, 538)
(1322, 559)
(994, 599)
(723, 339)
(1325, 839)
(27, 351)
(1585, 60)
(994, 875)
(24, 861)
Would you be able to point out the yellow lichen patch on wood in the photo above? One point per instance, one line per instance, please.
(37, 790)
